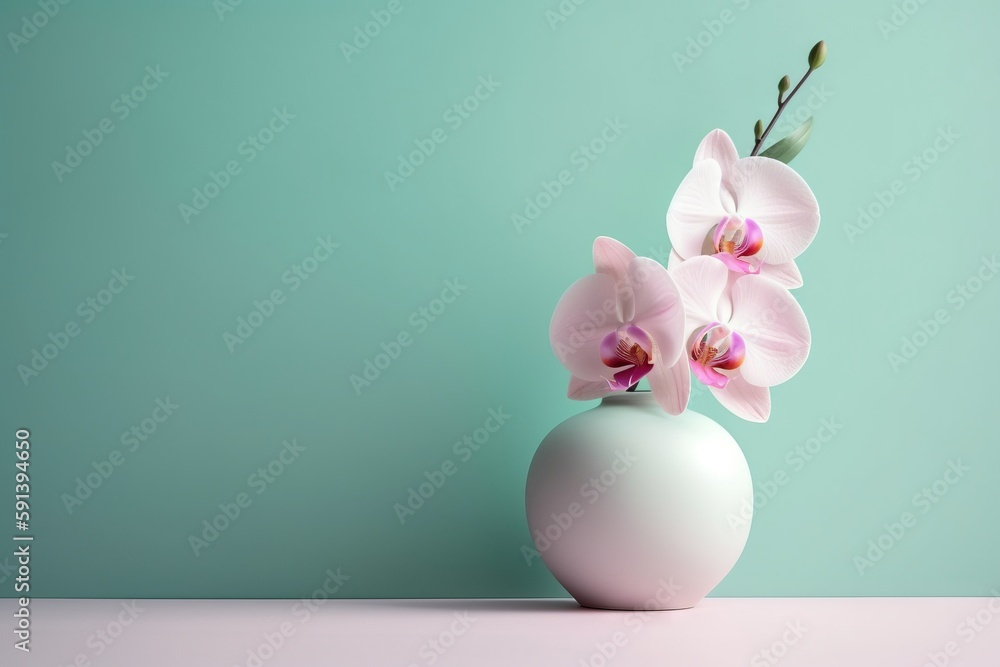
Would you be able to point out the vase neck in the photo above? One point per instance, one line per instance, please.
(630, 398)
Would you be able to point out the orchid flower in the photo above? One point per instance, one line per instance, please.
(620, 324)
(755, 214)
(742, 336)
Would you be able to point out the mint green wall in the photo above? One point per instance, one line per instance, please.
(882, 99)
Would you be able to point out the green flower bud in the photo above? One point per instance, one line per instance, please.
(758, 129)
(818, 55)
(784, 84)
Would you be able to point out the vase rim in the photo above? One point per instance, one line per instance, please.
(641, 397)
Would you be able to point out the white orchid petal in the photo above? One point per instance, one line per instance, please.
(612, 258)
(774, 329)
(786, 274)
(673, 259)
(583, 317)
(586, 390)
(695, 209)
(774, 196)
(702, 282)
(671, 385)
(659, 310)
(745, 400)
(719, 147)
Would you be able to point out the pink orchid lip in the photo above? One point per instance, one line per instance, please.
(735, 264)
(629, 348)
(714, 347)
(737, 241)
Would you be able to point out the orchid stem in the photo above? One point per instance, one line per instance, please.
(781, 107)
(632, 388)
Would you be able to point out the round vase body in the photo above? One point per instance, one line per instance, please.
(633, 508)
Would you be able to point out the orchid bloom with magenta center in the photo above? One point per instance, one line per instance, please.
(620, 324)
(629, 348)
(755, 214)
(716, 347)
(743, 336)
(737, 242)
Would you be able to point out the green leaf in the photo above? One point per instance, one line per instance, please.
(786, 149)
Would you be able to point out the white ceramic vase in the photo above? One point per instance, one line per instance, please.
(632, 508)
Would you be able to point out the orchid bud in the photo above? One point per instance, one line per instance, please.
(758, 130)
(817, 55)
(784, 84)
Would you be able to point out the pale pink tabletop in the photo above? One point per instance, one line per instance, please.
(812, 632)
